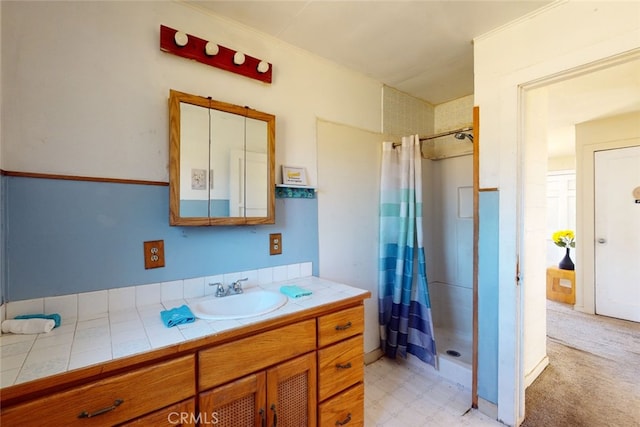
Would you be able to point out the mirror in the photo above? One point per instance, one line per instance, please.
(221, 163)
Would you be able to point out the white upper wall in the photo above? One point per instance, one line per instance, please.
(85, 88)
(560, 37)
(564, 36)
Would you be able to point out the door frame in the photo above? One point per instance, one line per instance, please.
(585, 294)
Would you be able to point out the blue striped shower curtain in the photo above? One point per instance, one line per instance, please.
(403, 297)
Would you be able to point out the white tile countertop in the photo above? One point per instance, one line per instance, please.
(119, 333)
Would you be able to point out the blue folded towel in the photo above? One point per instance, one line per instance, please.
(294, 291)
(55, 317)
(177, 316)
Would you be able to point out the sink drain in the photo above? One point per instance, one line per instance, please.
(453, 353)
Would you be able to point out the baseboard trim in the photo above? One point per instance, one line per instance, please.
(490, 409)
(372, 356)
(530, 377)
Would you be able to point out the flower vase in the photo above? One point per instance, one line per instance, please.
(566, 263)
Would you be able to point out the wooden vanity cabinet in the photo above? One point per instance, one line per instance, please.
(284, 395)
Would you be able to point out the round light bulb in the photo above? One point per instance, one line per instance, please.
(181, 38)
(238, 58)
(263, 67)
(211, 49)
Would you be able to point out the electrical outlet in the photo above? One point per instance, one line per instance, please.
(275, 244)
(154, 254)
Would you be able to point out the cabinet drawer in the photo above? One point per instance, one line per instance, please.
(345, 409)
(226, 362)
(340, 366)
(338, 326)
(181, 414)
(139, 392)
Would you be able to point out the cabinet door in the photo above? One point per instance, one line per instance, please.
(240, 403)
(291, 393)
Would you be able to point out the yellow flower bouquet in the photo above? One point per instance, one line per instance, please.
(564, 238)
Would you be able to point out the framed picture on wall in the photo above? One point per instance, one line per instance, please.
(293, 176)
(198, 179)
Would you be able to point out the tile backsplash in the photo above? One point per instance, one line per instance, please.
(93, 305)
(133, 323)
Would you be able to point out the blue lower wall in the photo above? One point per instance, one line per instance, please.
(64, 237)
(488, 243)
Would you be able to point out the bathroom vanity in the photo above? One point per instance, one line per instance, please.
(303, 367)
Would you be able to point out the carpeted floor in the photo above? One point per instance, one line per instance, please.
(593, 377)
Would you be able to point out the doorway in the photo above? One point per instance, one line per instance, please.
(570, 99)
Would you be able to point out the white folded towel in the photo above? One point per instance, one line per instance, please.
(28, 326)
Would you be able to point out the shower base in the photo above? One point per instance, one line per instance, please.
(454, 356)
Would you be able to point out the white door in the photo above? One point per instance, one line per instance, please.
(617, 233)
(248, 184)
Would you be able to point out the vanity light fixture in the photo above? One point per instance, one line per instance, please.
(263, 67)
(239, 58)
(211, 49)
(216, 55)
(181, 38)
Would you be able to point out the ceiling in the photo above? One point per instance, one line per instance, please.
(608, 91)
(423, 48)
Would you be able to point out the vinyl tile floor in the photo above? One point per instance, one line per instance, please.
(405, 394)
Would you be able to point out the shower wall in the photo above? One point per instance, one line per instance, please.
(448, 225)
(404, 115)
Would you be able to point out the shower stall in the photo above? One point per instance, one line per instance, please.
(448, 228)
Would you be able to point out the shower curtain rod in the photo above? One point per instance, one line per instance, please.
(451, 132)
(438, 135)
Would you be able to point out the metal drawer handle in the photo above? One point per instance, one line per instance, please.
(345, 366)
(345, 421)
(343, 327)
(116, 403)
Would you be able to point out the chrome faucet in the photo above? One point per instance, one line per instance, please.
(237, 286)
(233, 288)
(220, 292)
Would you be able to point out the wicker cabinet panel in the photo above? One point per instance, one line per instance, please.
(240, 403)
(291, 395)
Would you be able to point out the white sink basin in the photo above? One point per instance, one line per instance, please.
(248, 304)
